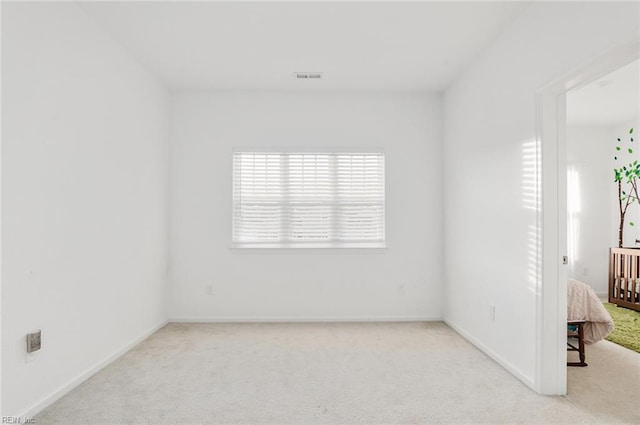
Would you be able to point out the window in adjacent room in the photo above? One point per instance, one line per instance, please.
(314, 200)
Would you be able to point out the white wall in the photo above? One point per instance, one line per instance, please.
(594, 220)
(402, 282)
(84, 196)
(489, 128)
(590, 190)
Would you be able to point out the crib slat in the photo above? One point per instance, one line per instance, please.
(624, 277)
(611, 275)
(636, 276)
(620, 274)
(632, 279)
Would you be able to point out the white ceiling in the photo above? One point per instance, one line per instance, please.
(612, 100)
(258, 46)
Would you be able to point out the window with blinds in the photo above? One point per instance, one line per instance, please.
(308, 200)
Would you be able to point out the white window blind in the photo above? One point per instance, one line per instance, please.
(308, 199)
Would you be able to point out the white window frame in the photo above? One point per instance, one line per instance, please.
(367, 245)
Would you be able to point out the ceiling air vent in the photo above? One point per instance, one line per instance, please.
(307, 75)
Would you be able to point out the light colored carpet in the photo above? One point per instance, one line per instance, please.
(610, 385)
(336, 373)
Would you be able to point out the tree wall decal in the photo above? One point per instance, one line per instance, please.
(627, 177)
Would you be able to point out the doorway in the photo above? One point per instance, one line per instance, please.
(598, 115)
(551, 368)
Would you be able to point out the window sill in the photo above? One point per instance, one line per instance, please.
(351, 248)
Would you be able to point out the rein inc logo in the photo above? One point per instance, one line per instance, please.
(17, 420)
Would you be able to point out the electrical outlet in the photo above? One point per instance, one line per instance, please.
(34, 341)
(492, 313)
(585, 271)
(209, 289)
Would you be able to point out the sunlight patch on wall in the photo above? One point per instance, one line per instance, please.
(531, 201)
(574, 206)
(530, 176)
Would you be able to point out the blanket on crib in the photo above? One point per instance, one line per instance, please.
(584, 304)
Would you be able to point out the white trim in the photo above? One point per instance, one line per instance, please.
(309, 250)
(551, 368)
(301, 319)
(258, 246)
(527, 380)
(551, 309)
(75, 382)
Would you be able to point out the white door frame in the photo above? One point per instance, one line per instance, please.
(551, 356)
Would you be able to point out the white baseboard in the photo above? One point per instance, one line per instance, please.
(300, 319)
(72, 384)
(602, 294)
(528, 381)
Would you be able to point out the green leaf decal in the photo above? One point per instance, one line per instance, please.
(631, 130)
(630, 150)
(631, 223)
(617, 148)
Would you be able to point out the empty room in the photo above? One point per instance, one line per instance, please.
(304, 212)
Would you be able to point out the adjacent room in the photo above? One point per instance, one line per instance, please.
(307, 212)
(602, 238)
